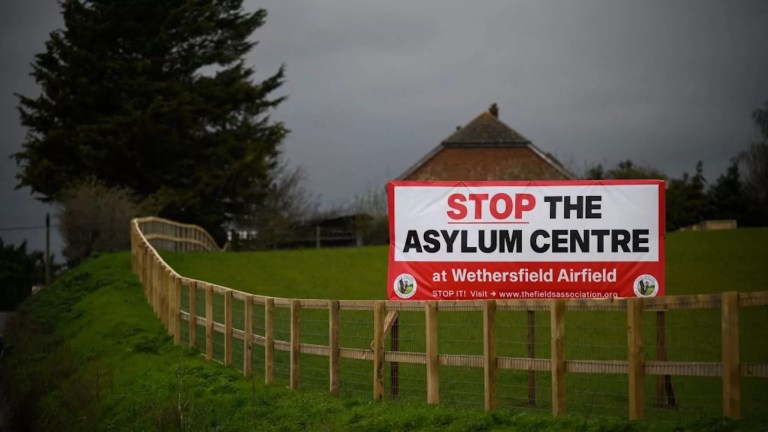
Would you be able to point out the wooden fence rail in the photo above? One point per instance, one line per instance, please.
(164, 288)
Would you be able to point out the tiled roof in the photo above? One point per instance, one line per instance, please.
(486, 129)
(484, 132)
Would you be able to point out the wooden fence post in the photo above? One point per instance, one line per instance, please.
(151, 280)
(730, 354)
(159, 272)
(489, 353)
(665, 394)
(635, 358)
(557, 327)
(248, 337)
(433, 359)
(269, 340)
(163, 307)
(144, 266)
(192, 314)
(228, 328)
(394, 367)
(169, 301)
(156, 286)
(531, 355)
(378, 350)
(295, 330)
(159, 291)
(209, 322)
(176, 310)
(145, 271)
(334, 377)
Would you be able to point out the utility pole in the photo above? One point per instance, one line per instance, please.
(47, 250)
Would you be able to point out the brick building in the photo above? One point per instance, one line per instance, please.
(486, 149)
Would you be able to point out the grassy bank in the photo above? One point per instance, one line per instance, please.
(90, 355)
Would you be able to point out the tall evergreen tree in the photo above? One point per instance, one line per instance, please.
(153, 96)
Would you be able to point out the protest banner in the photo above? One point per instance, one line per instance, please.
(525, 240)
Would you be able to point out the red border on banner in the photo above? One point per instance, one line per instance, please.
(524, 279)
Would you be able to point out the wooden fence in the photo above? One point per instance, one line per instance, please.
(168, 235)
(165, 289)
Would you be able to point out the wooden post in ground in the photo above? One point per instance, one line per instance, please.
(489, 354)
(730, 354)
(209, 322)
(168, 291)
(165, 291)
(557, 328)
(661, 355)
(531, 355)
(334, 378)
(269, 340)
(170, 301)
(151, 281)
(665, 394)
(155, 292)
(635, 358)
(147, 277)
(157, 288)
(433, 359)
(378, 350)
(143, 266)
(248, 337)
(295, 330)
(176, 310)
(192, 314)
(394, 367)
(161, 294)
(228, 328)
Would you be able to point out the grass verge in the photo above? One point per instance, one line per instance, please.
(90, 355)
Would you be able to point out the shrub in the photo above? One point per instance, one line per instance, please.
(95, 218)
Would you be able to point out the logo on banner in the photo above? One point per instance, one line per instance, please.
(405, 286)
(646, 286)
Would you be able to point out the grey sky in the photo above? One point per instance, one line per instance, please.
(374, 85)
(24, 28)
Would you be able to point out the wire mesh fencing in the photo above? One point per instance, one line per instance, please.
(660, 357)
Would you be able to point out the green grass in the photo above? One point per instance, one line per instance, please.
(90, 355)
(343, 273)
(717, 261)
(697, 263)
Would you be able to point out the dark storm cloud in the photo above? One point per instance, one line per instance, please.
(663, 83)
(374, 85)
